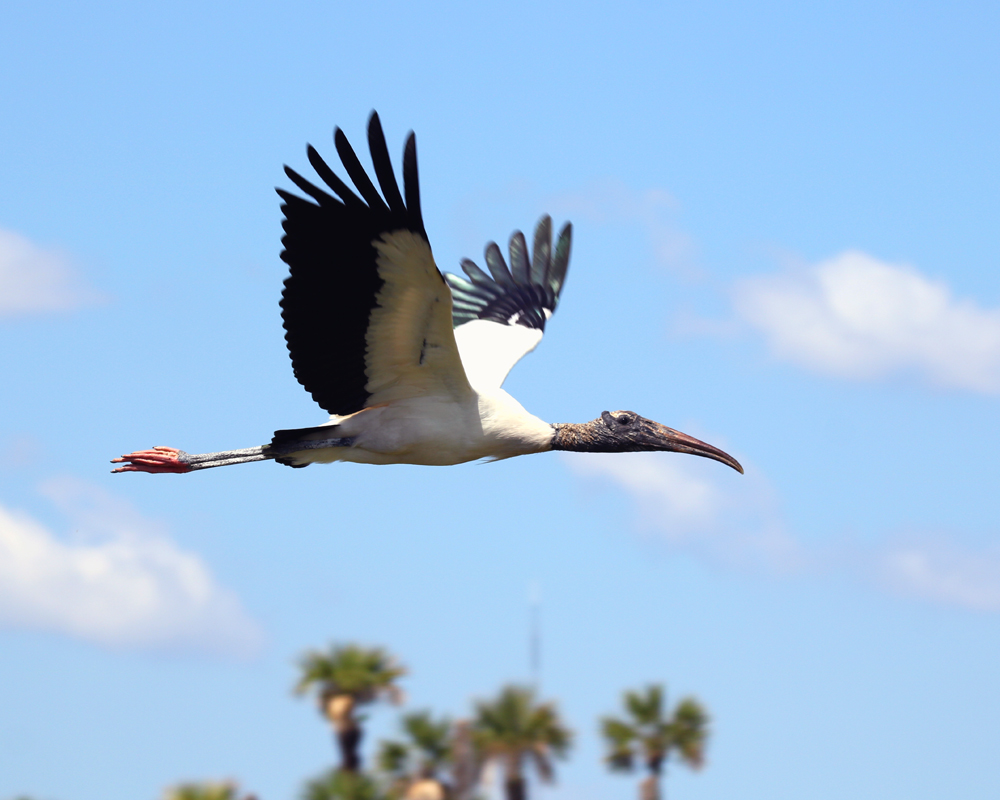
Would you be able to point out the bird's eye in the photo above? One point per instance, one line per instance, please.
(624, 419)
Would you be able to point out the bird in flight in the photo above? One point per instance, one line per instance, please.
(408, 362)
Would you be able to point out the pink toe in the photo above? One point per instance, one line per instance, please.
(156, 460)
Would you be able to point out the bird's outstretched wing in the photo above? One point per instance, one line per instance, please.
(366, 312)
(500, 319)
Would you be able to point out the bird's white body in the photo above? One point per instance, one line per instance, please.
(435, 431)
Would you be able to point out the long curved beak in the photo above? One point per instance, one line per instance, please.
(664, 438)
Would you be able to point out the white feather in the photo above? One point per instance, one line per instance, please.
(489, 350)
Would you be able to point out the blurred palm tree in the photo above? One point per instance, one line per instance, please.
(347, 677)
(414, 766)
(514, 730)
(651, 738)
(336, 784)
(204, 790)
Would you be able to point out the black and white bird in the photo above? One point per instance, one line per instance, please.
(409, 363)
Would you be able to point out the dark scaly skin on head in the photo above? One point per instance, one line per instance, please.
(627, 432)
(585, 437)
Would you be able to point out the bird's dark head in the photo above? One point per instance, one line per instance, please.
(627, 432)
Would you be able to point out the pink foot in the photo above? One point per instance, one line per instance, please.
(159, 459)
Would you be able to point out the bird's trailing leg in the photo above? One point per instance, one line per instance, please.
(170, 459)
(284, 443)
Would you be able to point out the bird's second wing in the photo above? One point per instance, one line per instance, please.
(499, 318)
(366, 312)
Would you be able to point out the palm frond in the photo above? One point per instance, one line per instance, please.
(646, 708)
(689, 731)
(543, 764)
(617, 732)
(363, 673)
(515, 727)
(620, 760)
(339, 785)
(619, 737)
(392, 758)
(205, 790)
(430, 737)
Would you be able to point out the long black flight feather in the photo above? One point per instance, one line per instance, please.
(314, 192)
(383, 166)
(330, 178)
(480, 279)
(411, 185)
(519, 268)
(361, 180)
(497, 266)
(560, 260)
(540, 252)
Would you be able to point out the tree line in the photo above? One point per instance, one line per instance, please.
(514, 734)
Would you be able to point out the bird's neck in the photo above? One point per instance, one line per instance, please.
(584, 437)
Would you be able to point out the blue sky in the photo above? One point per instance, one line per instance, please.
(784, 243)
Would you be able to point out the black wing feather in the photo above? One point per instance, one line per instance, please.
(480, 279)
(357, 172)
(411, 185)
(333, 277)
(518, 249)
(497, 266)
(383, 166)
(330, 178)
(314, 192)
(522, 295)
(540, 252)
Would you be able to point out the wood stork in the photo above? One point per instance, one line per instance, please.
(408, 362)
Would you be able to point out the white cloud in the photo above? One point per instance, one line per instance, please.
(118, 580)
(858, 317)
(734, 522)
(33, 279)
(942, 573)
(696, 506)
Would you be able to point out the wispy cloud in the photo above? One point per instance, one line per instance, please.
(728, 519)
(852, 316)
(118, 580)
(35, 280)
(939, 571)
(736, 523)
(610, 201)
(855, 316)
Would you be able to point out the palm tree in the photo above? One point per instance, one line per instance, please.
(414, 766)
(349, 676)
(514, 730)
(337, 784)
(650, 738)
(205, 790)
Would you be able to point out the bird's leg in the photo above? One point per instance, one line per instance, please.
(170, 459)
